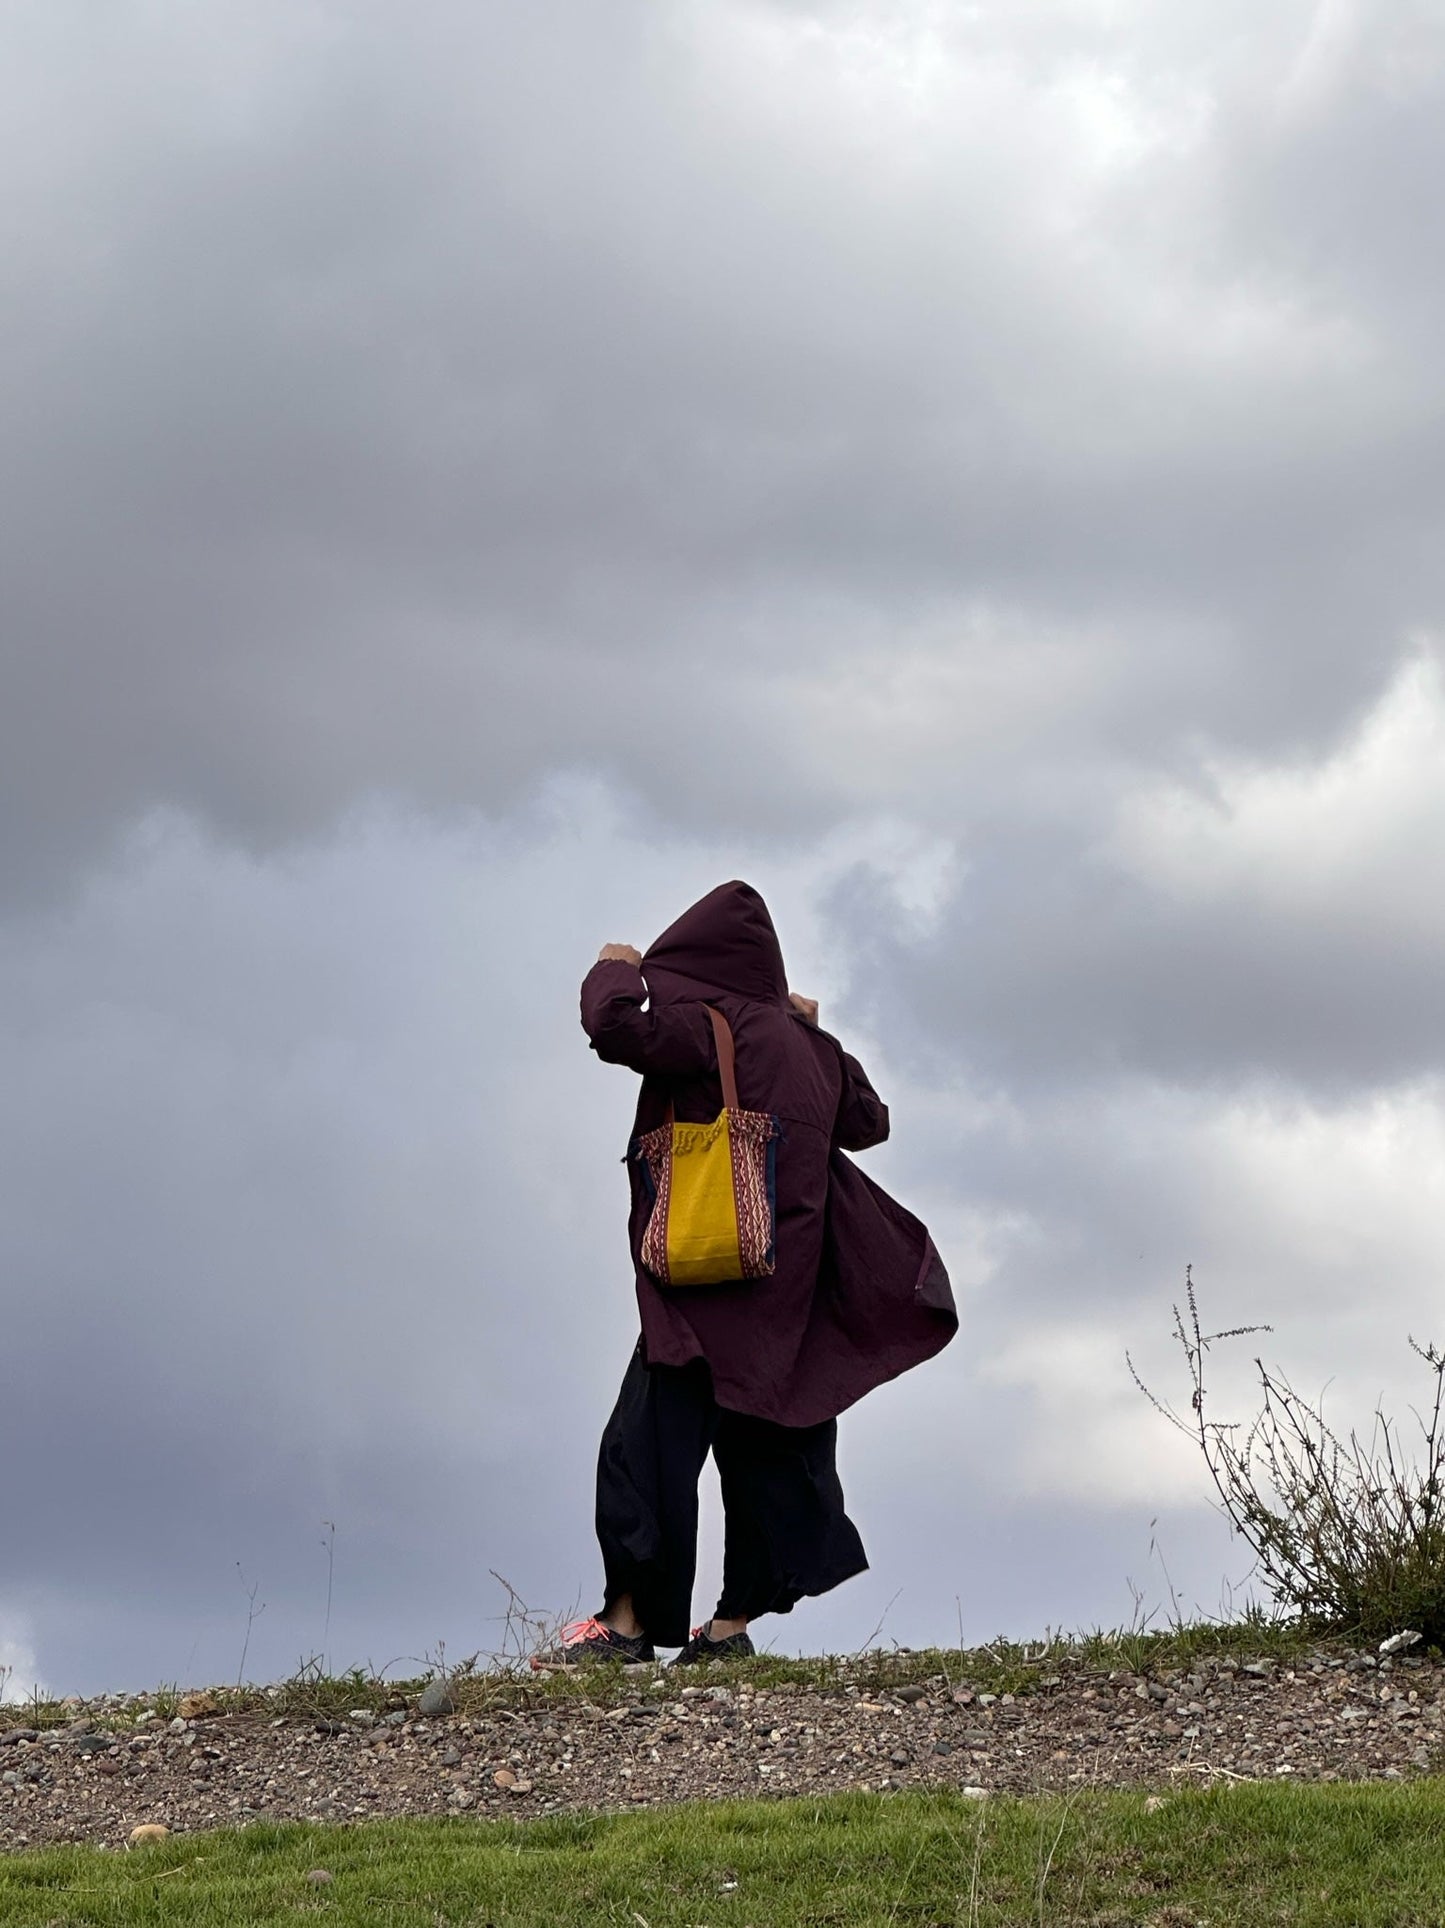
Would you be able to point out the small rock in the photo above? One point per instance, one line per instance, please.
(148, 1833)
(177, 1726)
(910, 1696)
(1398, 1642)
(943, 1747)
(320, 1877)
(638, 1669)
(1154, 1802)
(451, 1757)
(13, 1734)
(193, 1706)
(520, 1787)
(987, 1700)
(363, 1716)
(504, 1777)
(92, 1743)
(396, 1718)
(437, 1699)
(1258, 1669)
(325, 1725)
(974, 1793)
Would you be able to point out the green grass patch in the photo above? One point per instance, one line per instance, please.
(1236, 1856)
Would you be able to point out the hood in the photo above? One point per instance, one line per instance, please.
(725, 945)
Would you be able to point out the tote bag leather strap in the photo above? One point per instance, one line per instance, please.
(726, 1061)
(726, 1064)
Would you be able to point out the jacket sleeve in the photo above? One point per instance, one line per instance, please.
(673, 1041)
(862, 1115)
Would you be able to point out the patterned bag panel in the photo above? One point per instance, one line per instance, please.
(713, 1198)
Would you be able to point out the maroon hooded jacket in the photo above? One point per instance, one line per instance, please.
(859, 1294)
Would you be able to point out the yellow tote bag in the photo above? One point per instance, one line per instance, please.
(712, 1188)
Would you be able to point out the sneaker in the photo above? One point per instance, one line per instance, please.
(586, 1640)
(702, 1646)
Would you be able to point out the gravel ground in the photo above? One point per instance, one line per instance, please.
(1326, 1716)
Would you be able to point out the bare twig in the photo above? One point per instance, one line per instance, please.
(253, 1614)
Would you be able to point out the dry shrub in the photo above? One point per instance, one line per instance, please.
(1347, 1533)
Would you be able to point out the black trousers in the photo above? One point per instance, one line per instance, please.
(785, 1532)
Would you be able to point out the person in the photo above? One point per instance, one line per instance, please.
(755, 1371)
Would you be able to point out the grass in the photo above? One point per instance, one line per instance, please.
(1001, 1666)
(1224, 1858)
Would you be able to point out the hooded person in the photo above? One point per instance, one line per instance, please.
(755, 1370)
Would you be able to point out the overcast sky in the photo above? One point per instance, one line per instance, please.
(476, 477)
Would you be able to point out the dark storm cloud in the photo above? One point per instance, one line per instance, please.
(420, 404)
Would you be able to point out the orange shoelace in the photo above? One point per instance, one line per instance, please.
(577, 1631)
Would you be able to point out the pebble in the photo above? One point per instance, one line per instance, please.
(437, 1699)
(320, 1877)
(1398, 1642)
(193, 1706)
(147, 1834)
